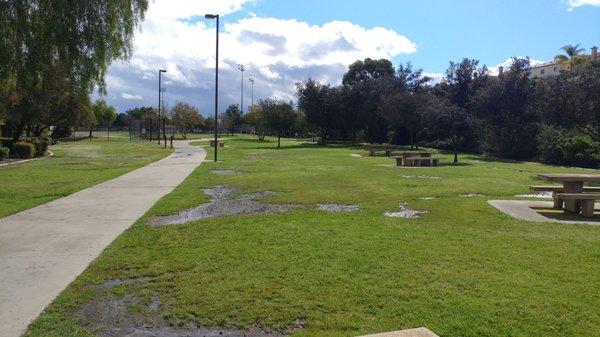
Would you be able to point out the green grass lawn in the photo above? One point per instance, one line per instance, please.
(74, 166)
(462, 269)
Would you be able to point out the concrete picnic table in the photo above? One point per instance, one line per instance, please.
(572, 183)
(404, 155)
(387, 148)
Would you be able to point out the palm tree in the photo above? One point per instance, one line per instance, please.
(573, 56)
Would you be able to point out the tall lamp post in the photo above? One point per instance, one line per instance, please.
(210, 17)
(242, 69)
(251, 80)
(160, 72)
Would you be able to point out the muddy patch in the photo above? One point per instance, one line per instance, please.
(420, 177)
(541, 195)
(224, 172)
(404, 212)
(226, 201)
(337, 208)
(113, 315)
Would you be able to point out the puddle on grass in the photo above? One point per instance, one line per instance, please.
(420, 177)
(112, 315)
(226, 201)
(541, 195)
(404, 212)
(337, 208)
(224, 172)
(472, 195)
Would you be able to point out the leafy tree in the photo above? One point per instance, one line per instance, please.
(232, 118)
(278, 115)
(76, 39)
(361, 71)
(313, 103)
(506, 105)
(185, 117)
(143, 113)
(450, 120)
(572, 101)
(103, 115)
(403, 101)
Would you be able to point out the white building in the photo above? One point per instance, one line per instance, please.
(552, 68)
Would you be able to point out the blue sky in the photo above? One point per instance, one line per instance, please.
(489, 30)
(283, 41)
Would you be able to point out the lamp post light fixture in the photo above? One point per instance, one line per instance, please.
(242, 69)
(251, 80)
(160, 72)
(210, 17)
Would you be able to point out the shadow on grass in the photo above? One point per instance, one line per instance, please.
(489, 159)
(558, 214)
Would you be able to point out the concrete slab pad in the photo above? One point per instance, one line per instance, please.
(43, 249)
(541, 211)
(419, 332)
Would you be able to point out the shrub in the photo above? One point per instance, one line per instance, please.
(8, 143)
(582, 151)
(4, 153)
(41, 145)
(550, 146)
(24, 150)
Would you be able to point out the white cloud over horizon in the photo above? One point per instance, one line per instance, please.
(572, 4)
(276, 52)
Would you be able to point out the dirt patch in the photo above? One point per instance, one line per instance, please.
(337, 208)
(404, 212)
(356, 155)
(224, 172)
(427, 198)
(112, 315)
(226, 201)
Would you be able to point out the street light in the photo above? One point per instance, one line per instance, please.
(251, 80)
(160, 72)
(210, 17)
(242, 69)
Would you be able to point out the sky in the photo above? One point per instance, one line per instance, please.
(282, 42)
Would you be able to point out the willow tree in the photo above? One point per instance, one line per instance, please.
(82, 38)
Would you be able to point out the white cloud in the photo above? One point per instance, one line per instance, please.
(572, 4)
(508, 62)
(435, 77)
(129, 96)
(276, 52)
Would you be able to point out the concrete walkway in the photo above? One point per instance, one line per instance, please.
(540, 211)
(43, 249)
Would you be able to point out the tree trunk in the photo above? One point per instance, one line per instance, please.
(278, 140)
(454, 148)
(411, 139)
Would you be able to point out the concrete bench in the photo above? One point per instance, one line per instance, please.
(419, 161)
(558, 202)
(586, 201)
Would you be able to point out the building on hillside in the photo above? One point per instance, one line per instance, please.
(553, 68)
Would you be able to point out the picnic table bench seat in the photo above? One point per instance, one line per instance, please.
(411, 161)
(558, 202)
(586, 200)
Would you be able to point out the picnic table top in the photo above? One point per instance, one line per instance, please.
(570, 177)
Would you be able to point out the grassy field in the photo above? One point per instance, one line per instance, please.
(462, 269)
(74, 166)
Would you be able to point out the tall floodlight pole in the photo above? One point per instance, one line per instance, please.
(216, 16)
(242, 69)
(251, 80)
(160, 72)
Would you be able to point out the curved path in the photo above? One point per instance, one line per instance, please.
(43, 249)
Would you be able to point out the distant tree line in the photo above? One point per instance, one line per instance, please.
(555, 120)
